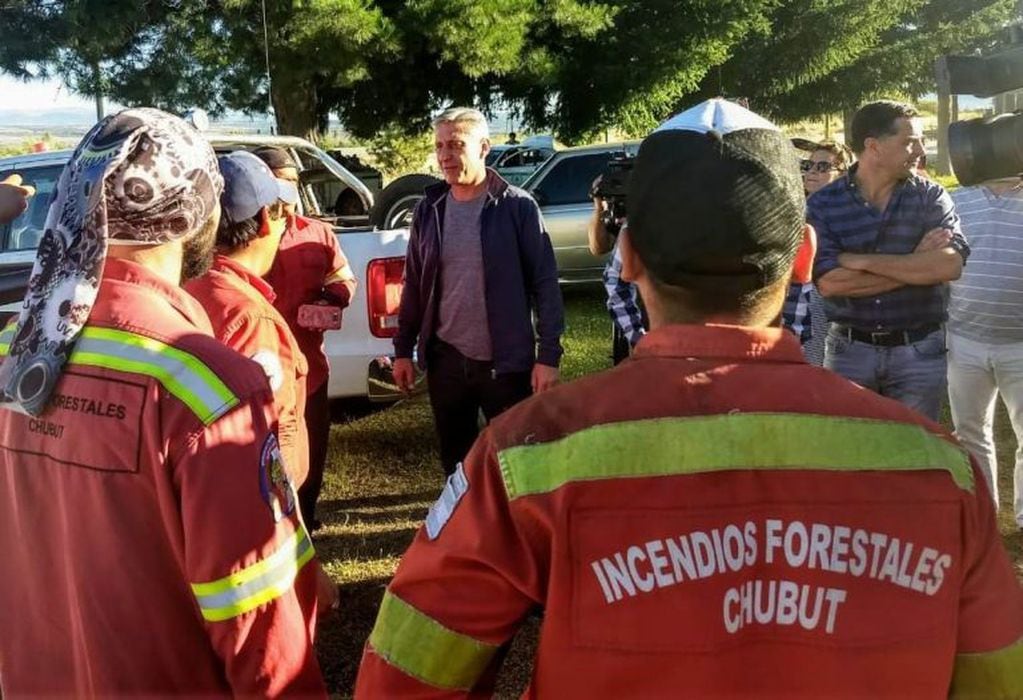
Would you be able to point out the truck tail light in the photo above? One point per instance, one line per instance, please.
(383, 283)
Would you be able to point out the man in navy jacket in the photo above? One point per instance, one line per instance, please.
(479, 264)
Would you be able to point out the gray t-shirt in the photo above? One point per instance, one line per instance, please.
(463, 304)
(986, 304)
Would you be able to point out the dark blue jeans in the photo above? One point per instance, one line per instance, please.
(460, 388)
(913, 373)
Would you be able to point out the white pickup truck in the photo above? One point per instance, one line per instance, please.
(361, 350)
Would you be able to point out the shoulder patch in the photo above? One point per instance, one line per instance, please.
(271, 364)
(274, 481)
(440, 512)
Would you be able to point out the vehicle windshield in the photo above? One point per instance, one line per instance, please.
(25, 232)
(495, 153)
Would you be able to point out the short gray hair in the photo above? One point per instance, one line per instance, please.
(464, 115)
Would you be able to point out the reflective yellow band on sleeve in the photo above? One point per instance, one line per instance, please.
(701, 444)
(421, 647)
(992, 675)
(257, 584)
(180, 373)
(342, 274)
(7, 335)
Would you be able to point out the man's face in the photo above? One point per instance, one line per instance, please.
(288, 175)
(461, 153)
(899, 154)
(197, 251)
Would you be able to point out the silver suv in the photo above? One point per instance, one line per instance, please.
(562, 189)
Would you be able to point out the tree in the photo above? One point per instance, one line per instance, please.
(824, 64)
(573, 66)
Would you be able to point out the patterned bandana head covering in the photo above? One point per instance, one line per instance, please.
(139, 177)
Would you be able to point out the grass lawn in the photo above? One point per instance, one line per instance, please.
(383, 475)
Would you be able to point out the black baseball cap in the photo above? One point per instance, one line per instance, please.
(276, 158)
(806, 145)
(716, 199)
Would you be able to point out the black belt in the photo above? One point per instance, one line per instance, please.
(887, 338)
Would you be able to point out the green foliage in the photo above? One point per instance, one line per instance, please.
(396, 153)
(897, 61)
(574, 67)
(949, 182)
(51, 143)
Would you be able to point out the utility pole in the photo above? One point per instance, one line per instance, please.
(97, 84)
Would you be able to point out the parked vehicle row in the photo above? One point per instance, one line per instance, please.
(374, 239)
(359, 352)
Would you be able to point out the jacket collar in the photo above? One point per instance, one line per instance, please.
(228, 266)
(117, 271)
(496, 187)
(721, 342)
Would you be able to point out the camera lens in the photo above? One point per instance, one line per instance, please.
(986, 149)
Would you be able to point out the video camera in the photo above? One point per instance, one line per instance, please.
(611, 187)
(988, 148)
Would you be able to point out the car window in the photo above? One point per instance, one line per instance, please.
(493, 155)
(568, 181)
(525, 157)
(25, 232)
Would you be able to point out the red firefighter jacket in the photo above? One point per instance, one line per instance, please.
(714, 518)
(149, 534)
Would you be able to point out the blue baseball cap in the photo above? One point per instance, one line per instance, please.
(250, 185)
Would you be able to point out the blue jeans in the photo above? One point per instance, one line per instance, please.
(913, 374)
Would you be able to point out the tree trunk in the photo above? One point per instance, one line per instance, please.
(847, 117)
(942, 164)
(296, 110)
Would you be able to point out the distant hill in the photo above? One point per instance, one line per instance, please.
(72, 122)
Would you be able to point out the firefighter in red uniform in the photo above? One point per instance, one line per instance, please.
(239, 303)
(714, 517)
(148, 524)
(309, 270)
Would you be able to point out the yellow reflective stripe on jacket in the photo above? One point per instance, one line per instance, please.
(7, 335)
(257, 584)
(695, 444)
(423, 648)
(993, 675)
(180, 373)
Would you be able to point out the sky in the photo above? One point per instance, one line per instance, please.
(38, 94)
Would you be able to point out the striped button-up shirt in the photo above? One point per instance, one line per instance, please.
(846, 223)
(623, 300)
(987, 301)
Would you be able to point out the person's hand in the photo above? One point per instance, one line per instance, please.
(13, 198)
(328, 597)
(544, 377)
(404, 374)
(935, 239)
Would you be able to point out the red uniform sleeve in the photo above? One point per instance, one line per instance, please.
(340, 282)
(461, 589)
(263, 340)
(989, 652)
(249, 561)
